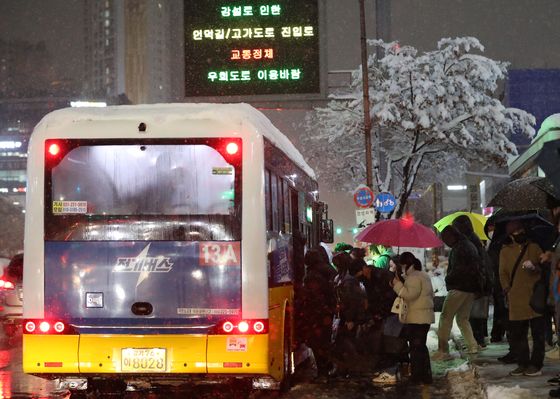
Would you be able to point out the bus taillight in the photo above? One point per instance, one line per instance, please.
(242, 327)
(54, 149)
(258, 327)
(232, 148)
(227, 327)
(30, 327)
(59, 326)
(46, 327)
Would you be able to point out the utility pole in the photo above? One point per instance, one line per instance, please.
(365, 89)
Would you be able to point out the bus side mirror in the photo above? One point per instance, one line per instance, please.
(327, 231)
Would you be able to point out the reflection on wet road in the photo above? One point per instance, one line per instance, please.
(17, 385)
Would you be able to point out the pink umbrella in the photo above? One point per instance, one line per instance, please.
(402, 232)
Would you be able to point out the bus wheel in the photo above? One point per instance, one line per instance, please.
(285, 384)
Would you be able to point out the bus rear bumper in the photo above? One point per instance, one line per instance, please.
(72, 357)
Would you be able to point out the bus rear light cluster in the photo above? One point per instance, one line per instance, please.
(38, 326)
(243, 327)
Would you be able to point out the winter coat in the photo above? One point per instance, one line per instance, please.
(486, 269)
(463, 268)
(319, 299)
(418, 294)
(352, 300)
(521, 290)
(380, 296)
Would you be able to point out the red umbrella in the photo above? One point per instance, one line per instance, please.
(402, 232)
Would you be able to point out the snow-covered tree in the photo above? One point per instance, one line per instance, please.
(432, 113)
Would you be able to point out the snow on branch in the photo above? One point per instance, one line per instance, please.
(427, 109)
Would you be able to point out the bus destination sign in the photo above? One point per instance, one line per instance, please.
(249, 47)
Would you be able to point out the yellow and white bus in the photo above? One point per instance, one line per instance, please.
(158, 246)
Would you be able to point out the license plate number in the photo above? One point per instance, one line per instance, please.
(143, 359)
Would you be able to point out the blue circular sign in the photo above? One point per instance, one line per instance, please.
(363, 197)
(385, 202)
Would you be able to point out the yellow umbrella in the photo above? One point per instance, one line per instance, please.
(478, 221)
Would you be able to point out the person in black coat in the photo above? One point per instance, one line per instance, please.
(319, 302)
(462, 281)
(479, 313)
(351, 310)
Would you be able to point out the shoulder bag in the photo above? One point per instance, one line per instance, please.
(400, 307)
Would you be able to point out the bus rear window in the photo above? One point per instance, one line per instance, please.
(146, 191)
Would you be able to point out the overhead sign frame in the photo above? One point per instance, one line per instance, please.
(265, 47)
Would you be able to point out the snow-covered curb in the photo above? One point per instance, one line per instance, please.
(464, 383)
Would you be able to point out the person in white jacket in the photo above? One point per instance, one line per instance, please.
(418, 294)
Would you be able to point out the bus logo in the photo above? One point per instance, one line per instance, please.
(157, 265)
(143, 263)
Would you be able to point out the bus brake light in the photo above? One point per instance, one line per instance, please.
(41, 326)
(232, 148)
(44, 326)
(243, 326)
(54, 149)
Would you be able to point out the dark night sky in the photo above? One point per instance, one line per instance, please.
(57, 22)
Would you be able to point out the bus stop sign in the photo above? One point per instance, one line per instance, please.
(363, 197)
(385, 202)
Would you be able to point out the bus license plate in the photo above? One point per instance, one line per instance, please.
(143, 359)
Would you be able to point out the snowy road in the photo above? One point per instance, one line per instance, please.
(15, 384)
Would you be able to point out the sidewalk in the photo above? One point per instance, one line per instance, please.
(498, 384)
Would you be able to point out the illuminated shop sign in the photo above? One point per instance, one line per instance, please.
(251, 47)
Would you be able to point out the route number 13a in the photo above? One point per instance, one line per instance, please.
(219, 253)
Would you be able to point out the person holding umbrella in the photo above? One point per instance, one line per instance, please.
(418, 294)
(462, 282)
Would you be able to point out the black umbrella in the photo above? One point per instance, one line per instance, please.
(549, 161)
(537, 225)
(527, 193)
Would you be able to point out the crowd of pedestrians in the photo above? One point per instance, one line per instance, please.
(349, 315)
(347, 318)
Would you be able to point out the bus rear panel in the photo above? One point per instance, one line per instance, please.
(143, 262)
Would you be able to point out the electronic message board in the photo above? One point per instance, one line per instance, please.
(246, 47)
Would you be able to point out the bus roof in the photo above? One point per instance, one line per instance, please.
(224, 113)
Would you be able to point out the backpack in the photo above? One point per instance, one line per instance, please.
(485, 273)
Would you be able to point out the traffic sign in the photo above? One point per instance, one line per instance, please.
(385, 202)
(363, 197)
(365, 217)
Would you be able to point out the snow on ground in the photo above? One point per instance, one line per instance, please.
(494, 376)
(499, 392)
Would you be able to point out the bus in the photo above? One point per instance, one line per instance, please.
(159, 246)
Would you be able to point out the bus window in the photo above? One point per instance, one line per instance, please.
(281, 224)
(143, 192)
(274, 192)
(286, 198)
(268, 200)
